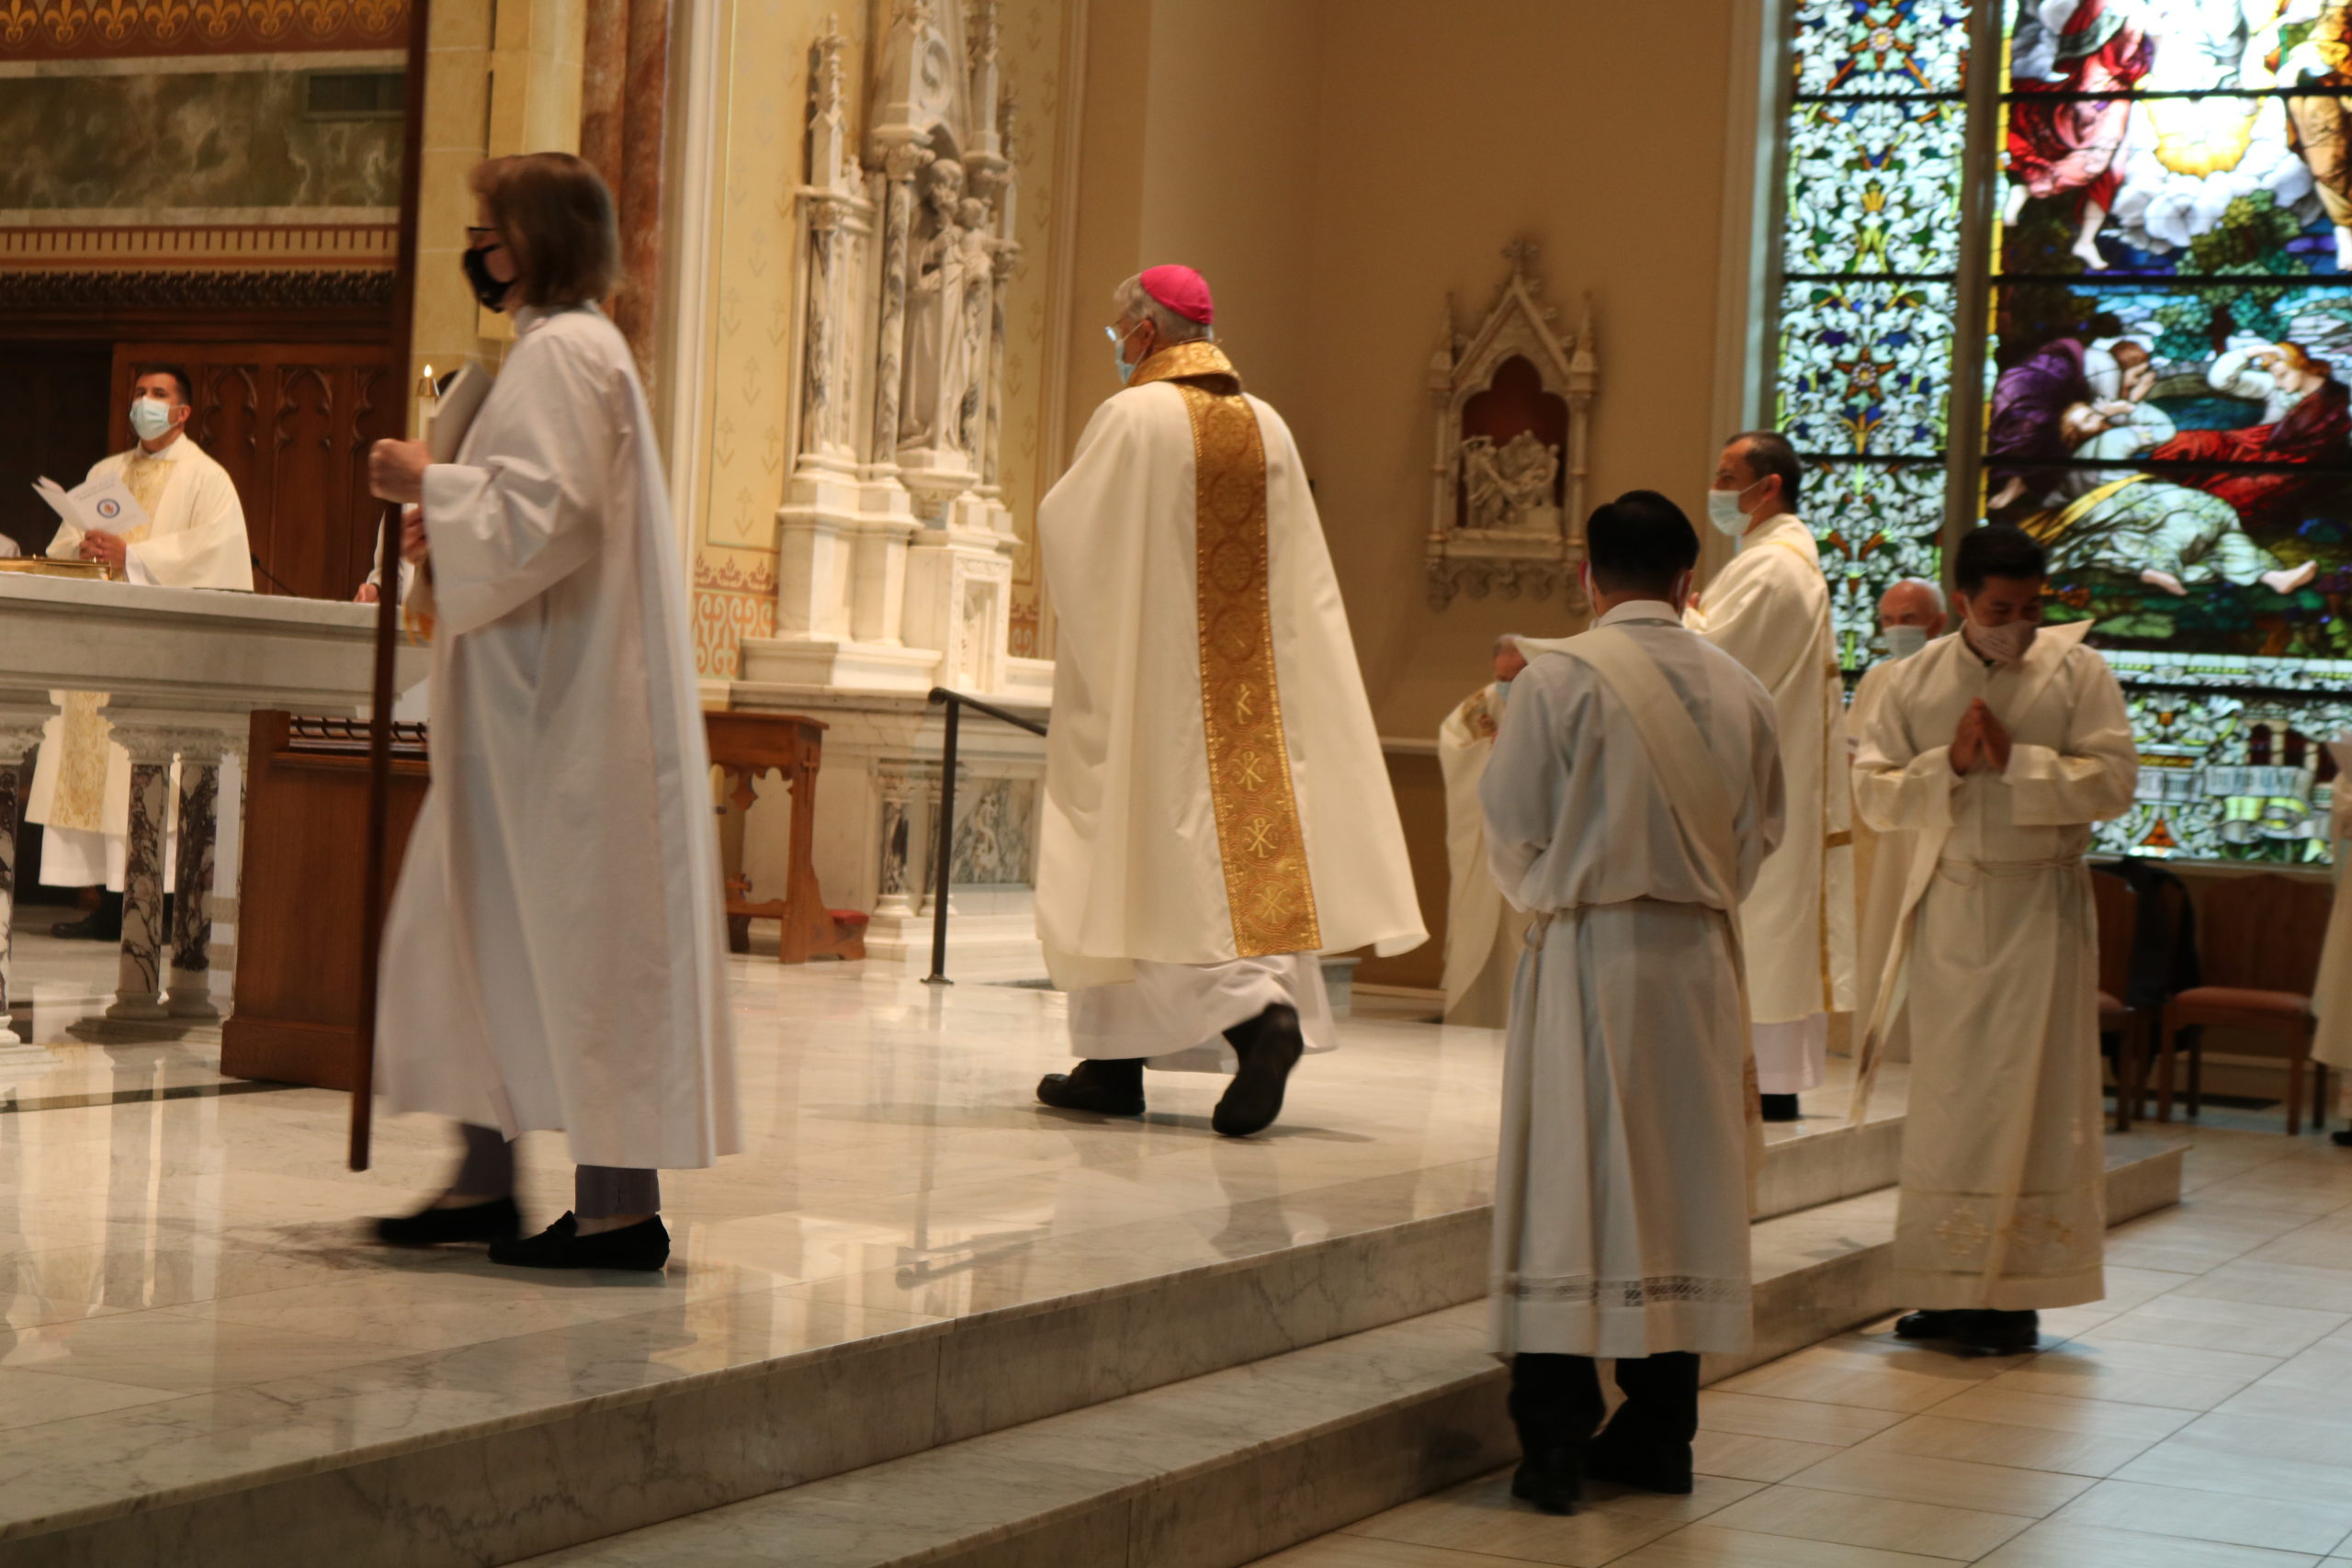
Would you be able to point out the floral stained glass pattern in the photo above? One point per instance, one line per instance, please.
(1870, 248)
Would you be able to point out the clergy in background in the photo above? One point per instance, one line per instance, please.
(1634, 792)
(2332, 996)
(1768, 608)
(554, 953)
(1910, 615)
(194, 537)
(1217, 813)
(1996, 750)
(1482, 934)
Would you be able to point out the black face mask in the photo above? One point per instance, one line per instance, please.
(488, 289)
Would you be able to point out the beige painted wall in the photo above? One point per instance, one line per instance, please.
(1337, 167)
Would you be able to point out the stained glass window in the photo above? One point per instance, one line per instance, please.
(2168, 364)
(1869, 255)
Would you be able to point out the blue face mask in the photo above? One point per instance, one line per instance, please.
(1119, 354)
(1502, 692)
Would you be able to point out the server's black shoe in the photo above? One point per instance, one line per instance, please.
(2000, 1333)
(643, 1246)
(1550, 1477)
(2341, 1140)
(103, 923)
(1112, 1087)
(1269, 1046)
(495, 1221)
(1947, 1325)
(1639, 1464)
(1781, 1107)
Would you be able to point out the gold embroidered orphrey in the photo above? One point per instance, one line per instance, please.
(1267, 887)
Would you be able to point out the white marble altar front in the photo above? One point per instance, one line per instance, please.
(182, 669)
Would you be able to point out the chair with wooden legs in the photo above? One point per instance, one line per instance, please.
(2122, 1028)
(2259, 952)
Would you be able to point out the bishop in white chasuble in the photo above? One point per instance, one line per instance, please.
(1996, 750)
(1217, 812)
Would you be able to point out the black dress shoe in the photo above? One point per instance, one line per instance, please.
(1946, 1324)
(1269, 1046)
(2000, 1333)
(1106, 1087)
(643, 1246)
(1645, 1466)
(2341, 1140)
(1550, 1477)
(495, 1221)
(1781, 1107)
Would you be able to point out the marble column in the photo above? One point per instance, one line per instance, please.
(191, 986)
(934, 873)
(623, 86)
(14, 741)
(895, 877)
(138, 982)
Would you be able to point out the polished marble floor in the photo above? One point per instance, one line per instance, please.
(188, 1292)
(2199, 1418)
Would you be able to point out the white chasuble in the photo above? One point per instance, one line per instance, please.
(1768, 608)
(554, 956)
(1482, 933)
(1996, 958)
(195, 537)
(1214, 788)
(1621, 1184)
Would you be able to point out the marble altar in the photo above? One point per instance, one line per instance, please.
(183, 669)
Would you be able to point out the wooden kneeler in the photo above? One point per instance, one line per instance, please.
(742, 747)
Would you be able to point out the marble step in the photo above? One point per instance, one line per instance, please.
(1082, 1328)
(1223, 1469)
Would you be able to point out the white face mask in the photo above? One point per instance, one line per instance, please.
(1902, 642)
(150, 418)
(2004, 643)
(1723, 511)
(1502, 692)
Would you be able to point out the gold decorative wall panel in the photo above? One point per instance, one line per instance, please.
(96, 29)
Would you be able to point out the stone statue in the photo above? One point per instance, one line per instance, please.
(980, 280)
(938, 354)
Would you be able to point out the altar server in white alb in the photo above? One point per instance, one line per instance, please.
(1635, 791)
(194, 537)
(1996, 750)
(1482, 932)
(553, 958)
(1768, 608)
(1910, 615)
(1217, 812)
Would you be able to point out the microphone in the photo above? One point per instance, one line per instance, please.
(271, 575)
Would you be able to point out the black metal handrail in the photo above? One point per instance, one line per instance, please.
(942, 857)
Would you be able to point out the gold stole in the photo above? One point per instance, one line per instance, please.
(83, 735)
(1268, 893)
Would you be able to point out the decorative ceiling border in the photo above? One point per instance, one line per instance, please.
(246, 288)
(108, 246)
(94, 29)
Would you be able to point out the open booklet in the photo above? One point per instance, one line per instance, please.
(99, 505)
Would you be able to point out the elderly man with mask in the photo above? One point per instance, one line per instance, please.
(1768, 608)
(1910, 614)
(1482, 932)
(1994, 751)
(1217, 813)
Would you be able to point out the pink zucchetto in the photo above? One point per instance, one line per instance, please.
(1183, 290)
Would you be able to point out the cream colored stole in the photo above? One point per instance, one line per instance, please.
(1704, 808)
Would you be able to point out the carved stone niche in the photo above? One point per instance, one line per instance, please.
(1513, 400)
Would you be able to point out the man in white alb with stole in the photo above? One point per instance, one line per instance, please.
(1768, 608)
(1996, 750)
(1482, 932)
(194, 537)
(1217, 812)
(1633, 793)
